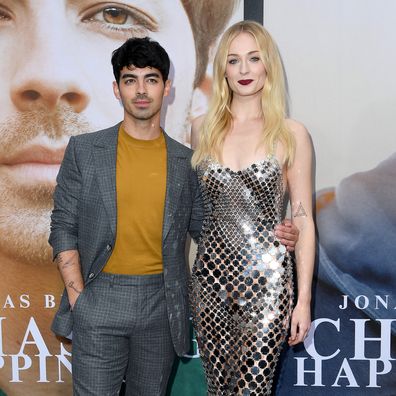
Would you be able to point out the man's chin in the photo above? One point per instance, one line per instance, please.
(37, 196)
(24, 235)
(26, 195)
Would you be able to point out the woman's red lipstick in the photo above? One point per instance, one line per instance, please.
(244, 82)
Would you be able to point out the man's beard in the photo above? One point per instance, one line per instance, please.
(25, 209)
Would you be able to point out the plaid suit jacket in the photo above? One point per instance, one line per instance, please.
(85, 215)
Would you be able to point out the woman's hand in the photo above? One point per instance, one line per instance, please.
(300, 323)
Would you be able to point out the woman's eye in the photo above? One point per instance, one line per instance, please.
(232, 61)
(255, 59)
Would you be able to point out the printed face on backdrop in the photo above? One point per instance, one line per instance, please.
(245, 71)
(55, 82)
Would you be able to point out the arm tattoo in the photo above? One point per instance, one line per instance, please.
(71, 285)
(300, 212)
(68, 263)
(62, 263)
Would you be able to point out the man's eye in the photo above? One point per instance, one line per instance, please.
(114, 19)
(114, 15)
(5, 15)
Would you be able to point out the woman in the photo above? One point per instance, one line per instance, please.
(247, 155)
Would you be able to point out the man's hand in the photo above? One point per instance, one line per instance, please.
(287, 233)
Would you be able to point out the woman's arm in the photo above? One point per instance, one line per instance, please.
(299, 180)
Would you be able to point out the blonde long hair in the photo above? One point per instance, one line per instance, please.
(218, 119)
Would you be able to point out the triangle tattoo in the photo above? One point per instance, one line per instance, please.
(300, 212)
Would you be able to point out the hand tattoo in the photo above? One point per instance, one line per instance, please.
(300, 212)
(71, 285)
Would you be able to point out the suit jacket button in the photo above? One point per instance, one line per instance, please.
(91, 275)
(108, 248)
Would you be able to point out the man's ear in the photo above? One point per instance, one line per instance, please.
(167, 88)
(116, 90)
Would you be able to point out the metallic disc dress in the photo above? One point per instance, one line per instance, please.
(242, 284)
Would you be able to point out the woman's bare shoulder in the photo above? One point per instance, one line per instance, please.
(299, 131)
(296, 127)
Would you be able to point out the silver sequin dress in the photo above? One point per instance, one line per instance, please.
(242, 284)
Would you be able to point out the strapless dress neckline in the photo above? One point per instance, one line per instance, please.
(268, 159)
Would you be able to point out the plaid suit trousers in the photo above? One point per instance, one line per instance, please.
(120, 328)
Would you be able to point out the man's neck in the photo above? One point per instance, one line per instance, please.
(142, 129)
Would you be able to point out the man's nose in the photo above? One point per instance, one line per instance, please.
(47, 74)
(141, 87)
(48, 92)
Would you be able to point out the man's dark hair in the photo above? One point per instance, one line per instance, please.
(141, 53)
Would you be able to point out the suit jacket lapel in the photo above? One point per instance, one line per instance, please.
(177, 164)
(105, 155)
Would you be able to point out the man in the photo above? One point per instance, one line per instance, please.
(55, 83)
(125, 199)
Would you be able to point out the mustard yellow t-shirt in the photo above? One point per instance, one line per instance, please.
(141, 186)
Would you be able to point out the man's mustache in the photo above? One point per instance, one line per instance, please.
(141, 97)
(22, 127)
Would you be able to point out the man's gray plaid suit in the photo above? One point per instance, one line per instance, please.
(84, 218)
